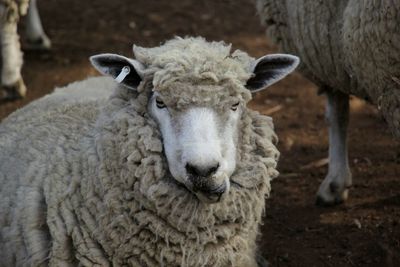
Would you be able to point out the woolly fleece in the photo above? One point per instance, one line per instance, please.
(85, 181)
(348, 45)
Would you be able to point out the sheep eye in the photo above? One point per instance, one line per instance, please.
(235, 106)
(160, 103)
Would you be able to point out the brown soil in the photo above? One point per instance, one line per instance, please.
(363, 232)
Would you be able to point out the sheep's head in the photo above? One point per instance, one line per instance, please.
(198, 92)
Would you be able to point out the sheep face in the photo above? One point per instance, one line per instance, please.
(198, 91)
(200, 143)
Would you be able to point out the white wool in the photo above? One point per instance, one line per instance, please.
(85, 180)
(348, 45)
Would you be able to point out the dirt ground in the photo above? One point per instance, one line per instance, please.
(363, 232)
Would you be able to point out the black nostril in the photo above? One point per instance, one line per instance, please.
(212, 169)
(200, 170)
(192, 170)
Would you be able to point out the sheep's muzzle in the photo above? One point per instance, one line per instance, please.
(206, 190)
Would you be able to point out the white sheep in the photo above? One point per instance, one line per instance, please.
(11, 54)
(167, 168)
(347, 47)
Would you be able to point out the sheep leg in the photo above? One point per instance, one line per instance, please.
(35, 34)
(334, 188)
(11, 79)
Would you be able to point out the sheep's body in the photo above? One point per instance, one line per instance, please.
(11, 54)
(346, 46)
(23, 175)
(85, 182)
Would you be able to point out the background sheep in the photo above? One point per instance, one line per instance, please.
(11, 54)
(347, 47)
(85, 180)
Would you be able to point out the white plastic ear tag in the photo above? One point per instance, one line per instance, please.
(122, 75)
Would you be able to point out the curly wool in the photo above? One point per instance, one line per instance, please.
(92, 184)
(194, 60)
(347, 45)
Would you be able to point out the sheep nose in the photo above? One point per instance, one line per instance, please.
(201, 171)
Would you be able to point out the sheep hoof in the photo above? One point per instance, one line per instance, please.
(43, 43)
(334, 189)
(14, 91)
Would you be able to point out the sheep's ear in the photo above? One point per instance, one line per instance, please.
(269, 69)
(124, 70)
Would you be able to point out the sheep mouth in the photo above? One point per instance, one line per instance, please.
(205, 195)
(212, 195)
(215, 195)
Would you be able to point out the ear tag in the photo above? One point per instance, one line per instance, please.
(122, 75)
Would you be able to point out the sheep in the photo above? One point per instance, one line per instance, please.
(10, 11)
(160, 165)
(347, 47)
